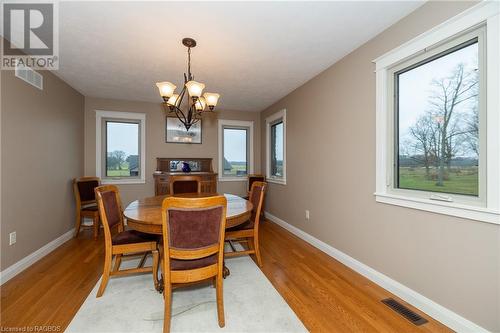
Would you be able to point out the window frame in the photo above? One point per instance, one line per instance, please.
(430, 55)
(270, 121)
(487, 208)
(235, 124)
(101, 140)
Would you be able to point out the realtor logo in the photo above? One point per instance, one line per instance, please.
(30, 35)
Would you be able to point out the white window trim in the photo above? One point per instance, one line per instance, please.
(269, 121)
(236, 123)
(484, 12)
(98, 126)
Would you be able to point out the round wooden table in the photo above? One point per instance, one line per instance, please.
(145, 214)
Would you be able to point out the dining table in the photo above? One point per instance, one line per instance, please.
(145, 214)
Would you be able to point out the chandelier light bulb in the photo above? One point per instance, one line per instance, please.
(211, 99)
(166, 89)
(173, 100)
(194, 88)
(200, 104)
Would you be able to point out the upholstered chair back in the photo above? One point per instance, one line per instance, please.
(84, 189)
(257, 194)
(254, 178)
(110, 209)
(193, 231)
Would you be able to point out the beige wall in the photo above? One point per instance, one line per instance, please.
(42, 150)
(331, 125)
(156, 146)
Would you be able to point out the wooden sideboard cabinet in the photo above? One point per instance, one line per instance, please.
(167, 167)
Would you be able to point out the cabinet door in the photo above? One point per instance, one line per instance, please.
(162, 186)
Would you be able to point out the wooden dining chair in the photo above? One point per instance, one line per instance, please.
(120, 242)
(193, 246)
(185, 184)
(86, 205)
(254, 178)
(248, 232)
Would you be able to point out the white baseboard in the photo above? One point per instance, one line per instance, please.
(29, 260)
(433, 309)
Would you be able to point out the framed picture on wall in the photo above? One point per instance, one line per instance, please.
(177, 133)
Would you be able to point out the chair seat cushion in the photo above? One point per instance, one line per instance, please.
(179, 265)
(132, 236)
(249, 224)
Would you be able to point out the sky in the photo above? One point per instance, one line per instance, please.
(235, 145)
(415, 86)
(279, 142)
(123, 136)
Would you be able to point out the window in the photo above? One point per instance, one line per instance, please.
(433, 100)
(235, 150)
(120, 146)
(438, 112)
(276, 147)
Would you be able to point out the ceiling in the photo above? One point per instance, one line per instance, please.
(252, 53)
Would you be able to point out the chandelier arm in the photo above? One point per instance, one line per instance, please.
(179, 114)
(181, 97)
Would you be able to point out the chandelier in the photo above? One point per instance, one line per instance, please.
(195, 104)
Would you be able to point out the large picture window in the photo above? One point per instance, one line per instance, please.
(276, 147)
(438, 121)
(120, 147)
(235, 149)
(438, 114)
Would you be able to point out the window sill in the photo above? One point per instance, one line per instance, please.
(122, 181)
(446, 208)
(280, 181)
(233, 179)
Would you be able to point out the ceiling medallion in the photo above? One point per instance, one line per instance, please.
(195, 104)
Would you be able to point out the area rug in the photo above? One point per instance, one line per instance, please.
(131, 304)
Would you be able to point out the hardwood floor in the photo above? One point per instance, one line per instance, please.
(50, 292)
(326, 295)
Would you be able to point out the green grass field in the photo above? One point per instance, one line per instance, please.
(235, 167)
(459, 180)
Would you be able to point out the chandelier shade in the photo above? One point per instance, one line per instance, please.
(211, 99)
(166, 88)
(194, 88)
(189, 110)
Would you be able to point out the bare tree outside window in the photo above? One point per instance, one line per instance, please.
(438, 123)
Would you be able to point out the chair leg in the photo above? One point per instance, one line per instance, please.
(143, 260)
(257, 250)
(118, 262)
(167, 294)
(95, 219)
(78, 224)
(155, 268)
(220, 301)
(105, 274)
